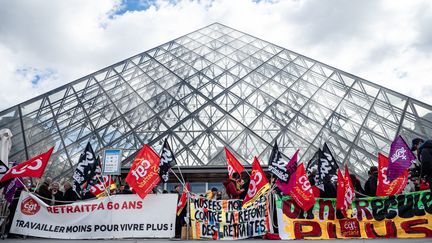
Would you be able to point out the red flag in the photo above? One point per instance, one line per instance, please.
(345, 191)
(258, 184)
(99, 189)
(143, 174)
(302, 191)
(33, 167)
(233, 164)
(182, 202)
(385, 187)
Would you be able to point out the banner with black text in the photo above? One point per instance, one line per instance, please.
(227, 220)
(118, 216)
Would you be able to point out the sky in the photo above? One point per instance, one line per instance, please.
(45, 44)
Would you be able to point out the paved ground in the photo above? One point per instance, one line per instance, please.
(28, 240)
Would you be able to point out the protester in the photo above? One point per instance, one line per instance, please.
(176, 189)
(212, 194)
(219, 195)
(121, 189)
(371, 183)
(127, 190)
(12, 208)
(416, 143)
(44, 191)
(231, 186)
(316, 191)
(244, 184)
(359, 191)
(330, 187)
(425, 158)
(56, 194)
(69, 195)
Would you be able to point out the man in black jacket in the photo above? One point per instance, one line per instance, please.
(69, 194)
(425, 158)
(371, 183)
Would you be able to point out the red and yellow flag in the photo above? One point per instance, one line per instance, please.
(258, 184)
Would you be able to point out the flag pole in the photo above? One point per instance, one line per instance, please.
(103, 184)
(181, 182)
(181, 175)
(187, 215)
(19, 178)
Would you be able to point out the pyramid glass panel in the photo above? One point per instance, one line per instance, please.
(212, 88)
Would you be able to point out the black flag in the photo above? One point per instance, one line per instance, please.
(94, 179)
(312, 166)
(327, 167)
(276, 165)
(85, 169)
(3, 169)
(167, 160)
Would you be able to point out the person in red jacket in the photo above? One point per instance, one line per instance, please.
(231, 186)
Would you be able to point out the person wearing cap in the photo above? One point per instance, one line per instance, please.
(371, 183)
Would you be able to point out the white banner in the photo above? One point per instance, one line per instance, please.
(121, 216)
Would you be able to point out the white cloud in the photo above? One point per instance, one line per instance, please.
(386, 42)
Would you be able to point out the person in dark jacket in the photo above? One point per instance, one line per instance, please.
(371, 183)
(425, 158)
(56, 194)
(330, 189)
(359, 192)
(245, 185)
(125, 189)
(44, 192)
(176, 190)
(415, 145)
(12, 208)
(231, 186)
(69, 195)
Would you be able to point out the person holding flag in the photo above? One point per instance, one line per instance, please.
(181, 214)
(231, 186)
(233, 183)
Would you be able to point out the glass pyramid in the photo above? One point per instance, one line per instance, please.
(212, 88)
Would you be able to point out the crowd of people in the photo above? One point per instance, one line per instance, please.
(236, 185)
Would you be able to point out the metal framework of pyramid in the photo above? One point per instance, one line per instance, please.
(212, 88)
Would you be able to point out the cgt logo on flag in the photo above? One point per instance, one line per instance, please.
(304, 182)
(37, 164)
(29, 206)
(143, 174)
